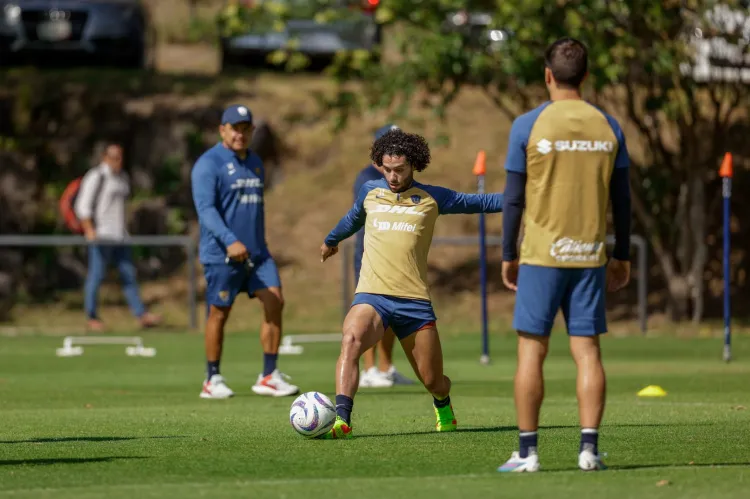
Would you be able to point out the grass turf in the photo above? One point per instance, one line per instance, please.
(108, 425)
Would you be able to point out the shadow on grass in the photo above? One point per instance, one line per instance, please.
(496, 429)
(54, 440)
(680, 466)
(65, 460)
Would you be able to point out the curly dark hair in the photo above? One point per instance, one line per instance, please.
(396, 142)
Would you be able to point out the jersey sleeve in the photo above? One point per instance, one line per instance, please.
(451, 202)
(515, 160)
(622, 160)
(204, 186)
(352, 221)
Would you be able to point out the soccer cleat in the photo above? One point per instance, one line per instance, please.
(518, 464)
(397, 378)
(216, 388)
(340, 430)
(274, 385)
(446, 420)
(588, 461)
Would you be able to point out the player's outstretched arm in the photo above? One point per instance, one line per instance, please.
(204, 197)
(453, 203)
(347, 226)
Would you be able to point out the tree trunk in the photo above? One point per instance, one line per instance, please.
(678, 298)
(697, 221)
(685, 265)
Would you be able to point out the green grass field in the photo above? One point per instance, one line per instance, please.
(106, 425)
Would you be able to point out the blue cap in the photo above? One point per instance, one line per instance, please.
(384, 129)
(236, 114)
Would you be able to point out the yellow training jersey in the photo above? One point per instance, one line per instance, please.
(568, 150)
(398, 233)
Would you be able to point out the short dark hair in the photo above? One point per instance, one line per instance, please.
(567, 58)
(412, 146)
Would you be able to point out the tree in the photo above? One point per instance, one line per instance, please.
(648, 68)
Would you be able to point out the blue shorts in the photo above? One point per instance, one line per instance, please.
(224, 281)
(405, 316)
(542, 291)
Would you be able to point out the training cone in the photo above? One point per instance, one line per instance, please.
(727, 167)
(480, 164)
(652, 391)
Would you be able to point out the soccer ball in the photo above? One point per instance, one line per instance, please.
(312, 414)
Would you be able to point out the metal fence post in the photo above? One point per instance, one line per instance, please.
(22, 240)
(638, 241)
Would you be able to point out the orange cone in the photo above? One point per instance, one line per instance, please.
(480, 165)
(726, 169)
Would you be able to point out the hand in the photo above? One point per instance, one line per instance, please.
(510, 274)
(89, 234)
(618, 274)
(237, 252)
(327, 252)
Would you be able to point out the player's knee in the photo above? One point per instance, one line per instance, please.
(350, 344)
(218, 314)
(585, 349)
(273, 301)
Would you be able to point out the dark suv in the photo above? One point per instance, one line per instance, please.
(318, 40)
(112, 31)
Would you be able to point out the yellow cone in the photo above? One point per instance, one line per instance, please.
(652, 391)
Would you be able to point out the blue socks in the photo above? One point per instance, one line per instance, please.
(344, 406)
(527, 442)
(212, 367)
(590, 440)
(269, 363)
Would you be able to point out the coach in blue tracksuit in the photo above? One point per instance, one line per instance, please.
(227, 184)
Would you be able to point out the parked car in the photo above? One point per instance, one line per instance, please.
(318, 40)
(114, 31)
(477, 27)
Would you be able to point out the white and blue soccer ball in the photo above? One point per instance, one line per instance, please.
(312, 414)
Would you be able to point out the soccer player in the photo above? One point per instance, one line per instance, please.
(228, 195)
(566, 160)
(399, 216)
(385, 375)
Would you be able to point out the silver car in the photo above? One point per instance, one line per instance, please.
(115, 31)
(355, 29)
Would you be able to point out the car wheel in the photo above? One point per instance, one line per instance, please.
(228, 60)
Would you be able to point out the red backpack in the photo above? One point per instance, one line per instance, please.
(68, 202)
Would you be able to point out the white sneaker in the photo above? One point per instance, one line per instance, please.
(517, 464)
(397, 377)
(274, 385)
(216, 388)
(364, 379)
(588, 461)
(379, 379)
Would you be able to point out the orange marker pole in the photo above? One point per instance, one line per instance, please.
(480, 168)
(725, 172)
